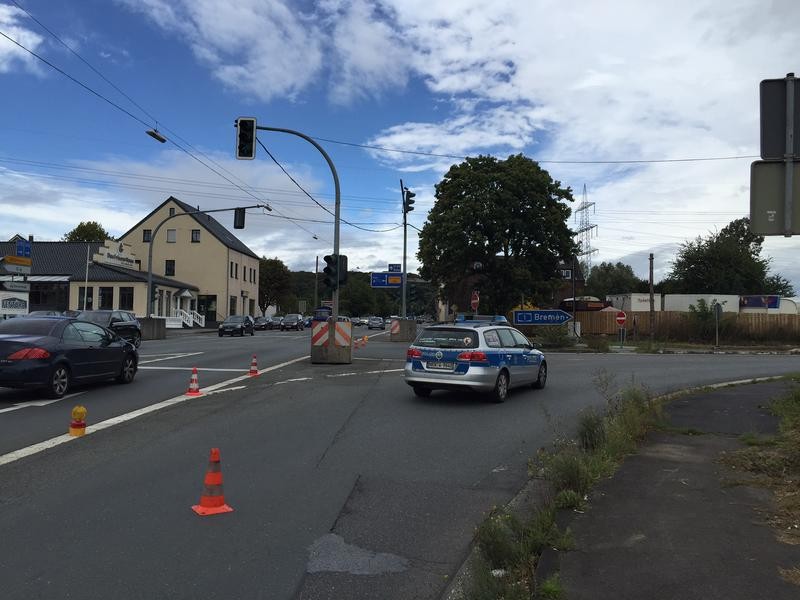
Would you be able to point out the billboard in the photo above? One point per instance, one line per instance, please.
(759, 302)
(13, 303)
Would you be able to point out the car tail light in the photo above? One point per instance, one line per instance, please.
(473, 357)
(29, 354)
(413, 353)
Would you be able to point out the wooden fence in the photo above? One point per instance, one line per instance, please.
(685, 326)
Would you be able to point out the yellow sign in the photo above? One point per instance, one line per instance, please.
(394, 279)
(17, 260)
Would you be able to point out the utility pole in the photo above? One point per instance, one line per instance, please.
(405, 228)
(652, 303)
(316, 284)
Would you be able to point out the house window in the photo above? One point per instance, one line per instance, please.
(147, 234)
(83, 294)
(236, 271)
(126, 298)
(106, 300)
(231, 275)
(138, 264)
(172, 236)
(169, 268)
(172, 212)
(232, 308)
(195, 236)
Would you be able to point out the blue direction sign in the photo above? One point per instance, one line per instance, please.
(24, 248)
(541, 317)
(394, 268)
(386, 280)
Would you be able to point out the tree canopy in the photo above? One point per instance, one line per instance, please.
(607, 278)
(498, 226)
(726, 262)
(274, 281)
(87, 231)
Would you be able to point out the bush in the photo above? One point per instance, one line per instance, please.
(568, 470)
(553, 336)
(569, 500)
(591, 430)
(598, 344)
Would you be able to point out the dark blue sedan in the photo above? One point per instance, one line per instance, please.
(53, 353)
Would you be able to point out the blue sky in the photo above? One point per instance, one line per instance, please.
(563, 83)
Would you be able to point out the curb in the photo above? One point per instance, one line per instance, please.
(549, 561)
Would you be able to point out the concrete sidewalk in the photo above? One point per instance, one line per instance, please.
(671, 524)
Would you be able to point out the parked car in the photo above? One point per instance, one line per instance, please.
(357, 321)
(123, 323)
(376, 323)
(308, 321)
(262, 323)
(43, 313)
(483, 356)
(293, 321)
(276, 321)
(53, 353)
(237, 325)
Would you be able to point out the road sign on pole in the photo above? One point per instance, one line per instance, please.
(541, 317)
(386, 280)
(773, 96)
(394, 268)
(475, 300)
(621, 318)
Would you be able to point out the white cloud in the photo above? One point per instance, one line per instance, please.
(10, 53)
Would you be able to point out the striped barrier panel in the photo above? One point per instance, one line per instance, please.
(319, 333)
(395, 328)
(342, 337)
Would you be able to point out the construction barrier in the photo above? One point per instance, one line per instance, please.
(253, 367)
(77, 427)
(343, 335)
(319, 333)
(194, 384)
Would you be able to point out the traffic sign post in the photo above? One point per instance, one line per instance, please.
(541, 317)
(475, 300)
(394, 268)
(620, 319)
(386, 280)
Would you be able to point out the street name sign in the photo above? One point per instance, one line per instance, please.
(386, 280)
(541, 317)
(16, 286)
(24, 248)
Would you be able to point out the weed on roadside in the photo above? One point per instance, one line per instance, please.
(753, 439)
(790, 575)
(591, 430)
(550, 589)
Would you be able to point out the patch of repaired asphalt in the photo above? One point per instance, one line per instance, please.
(332, 553)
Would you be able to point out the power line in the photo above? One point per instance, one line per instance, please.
(325, 208)
(548, 161)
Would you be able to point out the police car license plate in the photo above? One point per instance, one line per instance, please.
(448, 366)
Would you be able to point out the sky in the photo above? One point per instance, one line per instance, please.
(612, 95)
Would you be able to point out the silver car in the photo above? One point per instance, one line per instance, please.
(482, 356)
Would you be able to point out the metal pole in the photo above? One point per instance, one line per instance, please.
(338, 201)
(86, 282)
(405, 222)
(574, 302)
(652, 303)
(788, 157)
(316, 284)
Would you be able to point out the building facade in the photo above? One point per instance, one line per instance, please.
(199, 249)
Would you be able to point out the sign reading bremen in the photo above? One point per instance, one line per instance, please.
(541, 317)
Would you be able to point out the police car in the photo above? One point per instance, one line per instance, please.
(483, 354)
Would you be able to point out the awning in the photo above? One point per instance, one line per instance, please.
(37, 278)
(184, 293)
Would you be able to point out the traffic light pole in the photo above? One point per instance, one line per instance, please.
(153, 240)
(336, 210)
(405, 229)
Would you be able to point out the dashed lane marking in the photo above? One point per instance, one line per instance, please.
(199, 369)
(19, 405)
(291, 380)
(168, 356)
(108, 423)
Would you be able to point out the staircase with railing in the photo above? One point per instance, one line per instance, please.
(185, 317)
(198, 318)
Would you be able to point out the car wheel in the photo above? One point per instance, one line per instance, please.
(252, 332)
(137, 339)
(541, 378)
(220, 334)
(500, 391)
(422, 392)
(128, 370)
(59, 381)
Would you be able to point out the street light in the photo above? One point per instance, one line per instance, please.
(154, 133)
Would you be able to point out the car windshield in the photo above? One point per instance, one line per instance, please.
(236, 319)
(31, 326)
(446, 338)
(94, 317)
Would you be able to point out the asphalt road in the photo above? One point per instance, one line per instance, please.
(343, 483)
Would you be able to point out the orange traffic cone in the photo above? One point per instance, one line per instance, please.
(253, 367)
(212, 501)
(194, 385)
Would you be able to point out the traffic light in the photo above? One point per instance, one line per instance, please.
(331, 271)
(408, 200)
(412, 293)
(238, 218)
(246, 138)
(342, 269)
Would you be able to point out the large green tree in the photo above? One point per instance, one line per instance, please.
(274, 281)
(726, 262)
(498, 226)
(87, 231)
(608, 278)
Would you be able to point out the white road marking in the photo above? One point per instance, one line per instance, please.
(342, 374)
(62, 439)
(199, 369)
(39, 402)
(291, 380)
(171, 356)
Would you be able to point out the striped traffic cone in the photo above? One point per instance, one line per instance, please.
(253, 367)
(212, 501)
(194, 385)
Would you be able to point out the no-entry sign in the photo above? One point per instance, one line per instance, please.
(621, 316)
(475, 300)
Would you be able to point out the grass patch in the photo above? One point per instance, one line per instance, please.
(790, 575)
(550, 589)
(773, 462)
(569, 500)
(597, 344)
(667, 428)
